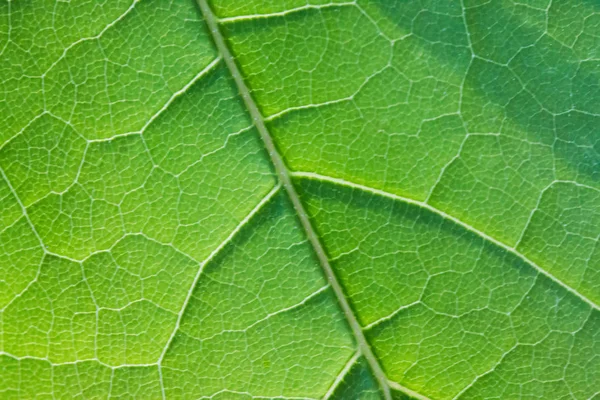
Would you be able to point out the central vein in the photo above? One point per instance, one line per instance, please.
(284, 177)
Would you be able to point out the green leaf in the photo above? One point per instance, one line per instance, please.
(299, 199)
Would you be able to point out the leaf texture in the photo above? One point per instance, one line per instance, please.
(300, 199)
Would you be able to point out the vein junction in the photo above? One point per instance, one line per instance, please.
(284, 177)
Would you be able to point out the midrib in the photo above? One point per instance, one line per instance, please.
(284, 176)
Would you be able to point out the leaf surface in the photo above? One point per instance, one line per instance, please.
(299, 199)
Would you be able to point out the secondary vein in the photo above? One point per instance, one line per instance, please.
(201, 267)
(284, 177)
(485, 236)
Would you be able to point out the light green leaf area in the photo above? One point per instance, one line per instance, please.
(300, 199)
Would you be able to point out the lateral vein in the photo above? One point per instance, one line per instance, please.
(201, 266)
(284, 13)
(211, 256)
(404, 389)
(285, 179)
(485, 236)
(338, 380)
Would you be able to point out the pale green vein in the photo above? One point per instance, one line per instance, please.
(352, 97)
(539, 201)
(284, 13)
(285, 179)
(404, 389)
(270, 315)
(120, 18)
(340, 378)
(35, 232)
(75, 362)
(392, 315)
(23, 210)
(248, 394)
(181, 91)
(512, 250)
(210, 257)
